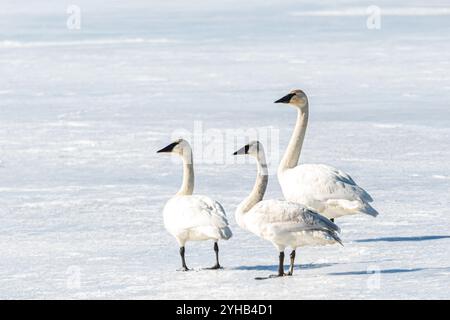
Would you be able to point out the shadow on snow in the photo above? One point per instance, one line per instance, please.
(366, 272)
(388, 271)
(405, 239)
(275, 267)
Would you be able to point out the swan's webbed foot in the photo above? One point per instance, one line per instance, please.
(278, 275)
(184, 269)
(272, 276)
(215, 267)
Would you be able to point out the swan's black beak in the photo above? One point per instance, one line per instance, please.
(286, 98)
(243, 150)
(168, 149)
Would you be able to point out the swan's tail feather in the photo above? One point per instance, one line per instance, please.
(336, 238)
(369, 210)
(332, 235)
(330, 225)
(323, 233)
(225, 233)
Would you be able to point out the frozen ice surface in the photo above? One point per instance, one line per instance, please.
(82, 113)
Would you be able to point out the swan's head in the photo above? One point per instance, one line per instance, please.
(180, 147)
(254, 149)
(296, 98)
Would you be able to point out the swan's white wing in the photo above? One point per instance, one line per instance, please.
(196, 212)
(318, 185)
(292, 215)
(325, 182)
(287, 223)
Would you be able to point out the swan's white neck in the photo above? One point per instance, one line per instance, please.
(187, 187)
(292, 154)
(259, 188)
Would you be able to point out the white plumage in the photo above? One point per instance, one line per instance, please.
(195, 218)
(283, 223)
(328, 190)
(289, 224)
(190, 217)
(325, 189)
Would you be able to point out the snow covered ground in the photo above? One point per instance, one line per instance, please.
(82, 113)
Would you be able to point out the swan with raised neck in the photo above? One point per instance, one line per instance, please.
(299, 100)
(328, 190)
(191, 217)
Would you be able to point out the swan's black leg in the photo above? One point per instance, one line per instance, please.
(281, 265)
(216, 250)
(291, 267)
(183, 261)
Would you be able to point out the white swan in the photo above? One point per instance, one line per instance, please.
(329, 191)
(285, 224)
(193, 217)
